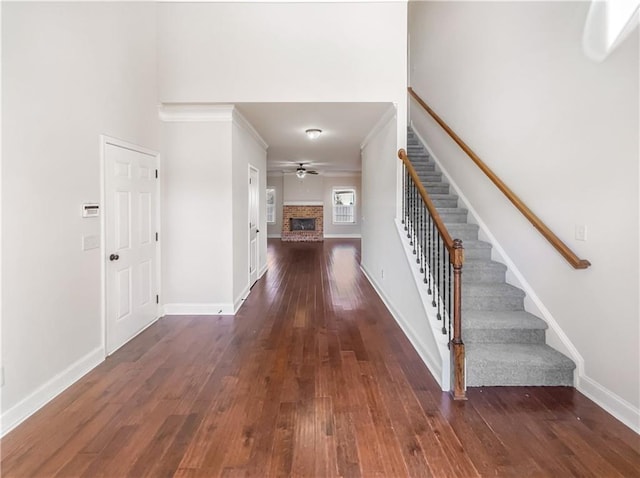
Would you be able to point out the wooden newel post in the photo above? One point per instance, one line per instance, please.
(457, 346)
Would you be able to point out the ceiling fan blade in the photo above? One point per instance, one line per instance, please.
(312, 172)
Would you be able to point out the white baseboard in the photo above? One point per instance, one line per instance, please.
(199, 309)
(434, 365)
(612, 403)
(343, 236)
(262, 271)
(274, 236)
(51, 389)
(240, 299)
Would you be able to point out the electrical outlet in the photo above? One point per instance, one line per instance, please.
(581, 232)
(382, 273)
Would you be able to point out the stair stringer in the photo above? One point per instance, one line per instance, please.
(555, 336)
(444, 377)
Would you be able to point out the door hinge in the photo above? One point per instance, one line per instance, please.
(156, 237)
(249, 180)
(157, 299)
(156, 174)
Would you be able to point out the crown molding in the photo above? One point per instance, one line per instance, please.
(382, 122)
(243, 123)
(208, 112)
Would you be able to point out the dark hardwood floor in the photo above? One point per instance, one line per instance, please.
(311, 378)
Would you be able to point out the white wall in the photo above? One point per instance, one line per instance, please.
(329, 183)
(226, 52)
(68, 75)
(247, 150)
(197, 216)
(562, 131)
(383, 257)
(275, 181)
(309, 188)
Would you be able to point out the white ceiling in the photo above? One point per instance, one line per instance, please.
(344, 127)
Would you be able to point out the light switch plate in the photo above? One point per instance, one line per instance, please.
(581, 232)
(90, 242)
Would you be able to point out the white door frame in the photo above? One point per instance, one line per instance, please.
(257, 172)
(104, 141)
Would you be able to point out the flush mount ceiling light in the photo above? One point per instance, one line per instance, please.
(313, 133)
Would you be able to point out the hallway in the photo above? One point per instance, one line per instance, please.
(311, 378)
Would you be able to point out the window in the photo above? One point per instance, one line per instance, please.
(344, 206)
(271, 206)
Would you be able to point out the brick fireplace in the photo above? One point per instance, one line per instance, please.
(298, 211)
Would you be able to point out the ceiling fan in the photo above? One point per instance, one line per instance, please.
(301, 171)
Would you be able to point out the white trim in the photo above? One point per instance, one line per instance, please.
(222, 308)
(275, 210)
(612, 403)
(243, 123)
(303, 203)
(333, 205)
(434, 365)
(195, 112)
(242, 297)
(109, 140)
(49, 390)
(257, 225)
(343, 236)
(263, 271)
(209, 112)
(274, 236)
(384, 120)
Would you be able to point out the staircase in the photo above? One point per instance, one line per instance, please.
(504, 344)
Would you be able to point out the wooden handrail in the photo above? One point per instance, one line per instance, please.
(437, 220)
(555, 241)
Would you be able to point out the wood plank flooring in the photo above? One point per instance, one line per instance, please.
(311, 378)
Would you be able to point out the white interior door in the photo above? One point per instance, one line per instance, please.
(131, 197)
(254, 204)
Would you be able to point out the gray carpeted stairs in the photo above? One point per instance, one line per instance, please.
(504, 344)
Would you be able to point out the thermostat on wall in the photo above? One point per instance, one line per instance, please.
(90, 210)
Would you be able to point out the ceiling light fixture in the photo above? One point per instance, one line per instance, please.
(301, 173)
(313, 133)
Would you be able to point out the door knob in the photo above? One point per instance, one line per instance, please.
(257, 231)
(114, 257)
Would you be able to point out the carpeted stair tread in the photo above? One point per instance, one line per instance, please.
(505, 345)
(502, 327)
(479, 270)
(453, 215)
(463, 231)
(491, 296)
(517, 364)
(474, 249)
(501, 319)
(488, 289)
(447, 200)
